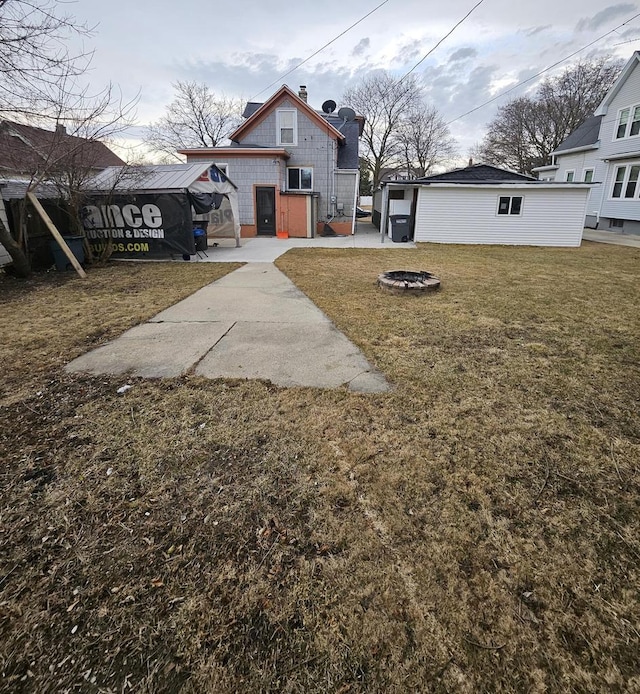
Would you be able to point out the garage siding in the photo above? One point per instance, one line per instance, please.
(460, 214)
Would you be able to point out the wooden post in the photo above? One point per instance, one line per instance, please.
(56, 234)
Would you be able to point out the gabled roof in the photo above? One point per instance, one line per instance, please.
(585, 135)
(154, 177)
(477, 173)
(27, 149)
(617, 85)
(265, 109)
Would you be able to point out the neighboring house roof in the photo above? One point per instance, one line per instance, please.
(265, 109)
(477, 173)
(617, 85)
(11, 189)
(585, 135)
(28, 150)
(155, 177)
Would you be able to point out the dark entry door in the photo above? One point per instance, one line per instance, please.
(266, 211)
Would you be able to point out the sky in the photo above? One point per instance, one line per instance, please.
(239, 48)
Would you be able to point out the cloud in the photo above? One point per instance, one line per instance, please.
(463, 54)
(604, 16)
(537, 30)
(361, 46)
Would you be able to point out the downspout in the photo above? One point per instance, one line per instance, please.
(334, 163)
(355, 202)
(384, 212)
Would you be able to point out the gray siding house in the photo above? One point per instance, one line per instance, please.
(296, 168)
(605, 150)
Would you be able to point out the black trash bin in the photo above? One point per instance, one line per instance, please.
(200, 238)
(400, 228)
(76, 247)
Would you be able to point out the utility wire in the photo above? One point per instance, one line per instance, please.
(446, 36)
(507, 91)
(333, 40)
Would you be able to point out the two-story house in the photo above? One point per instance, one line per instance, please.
(296, 168)
(605, 150)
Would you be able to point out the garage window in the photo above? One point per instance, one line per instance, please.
(510, 204)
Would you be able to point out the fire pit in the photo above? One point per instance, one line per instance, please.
(406, 282)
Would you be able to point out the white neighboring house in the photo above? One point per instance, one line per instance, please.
(605, 149)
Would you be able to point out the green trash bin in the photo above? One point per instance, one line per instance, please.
(60, 259)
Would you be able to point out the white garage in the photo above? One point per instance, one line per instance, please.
(485, 205)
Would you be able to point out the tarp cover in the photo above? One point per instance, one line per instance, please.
(147, 211)
(140, 224)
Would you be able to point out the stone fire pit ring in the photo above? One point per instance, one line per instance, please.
(408, 282)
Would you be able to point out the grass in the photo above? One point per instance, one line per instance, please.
(475, 530)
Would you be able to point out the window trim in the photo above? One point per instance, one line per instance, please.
(584, 174)
(633, 112)
(573, 176)
(279, 127)
(510, 213)
(300, 168)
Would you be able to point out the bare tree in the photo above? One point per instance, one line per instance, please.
(424, 140)
(41, 84)
(34, 35)
(383, 100)
(197, 117)
(527, 129)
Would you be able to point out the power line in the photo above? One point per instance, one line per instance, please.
(446, 36)
(333, 40)
(622, 43)
(529, 79)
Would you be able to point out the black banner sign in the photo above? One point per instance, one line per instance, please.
(140, 224)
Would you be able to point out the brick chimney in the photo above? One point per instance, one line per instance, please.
(60, 129)
(303, 93)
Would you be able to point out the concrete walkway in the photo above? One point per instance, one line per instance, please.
(611, 237)
(267, 249)
(252, 323)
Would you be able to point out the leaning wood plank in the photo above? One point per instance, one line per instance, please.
(56, 234)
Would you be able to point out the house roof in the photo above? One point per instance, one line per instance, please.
(29, 150)
(154, 177)
(617, 85)
(585, 135)
(477, 173)
(237, 151)
(265, 109)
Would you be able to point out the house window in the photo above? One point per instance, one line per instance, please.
(626, 181)
(632, 183)
(287, 125)
(569, 176)
(510, 204)
(616, 223)
(623, 119)
(617, 186)
(628, 122)
(635, 122)
(588, 175)
(300, 178)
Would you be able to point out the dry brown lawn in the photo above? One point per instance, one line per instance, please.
(475, 530)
